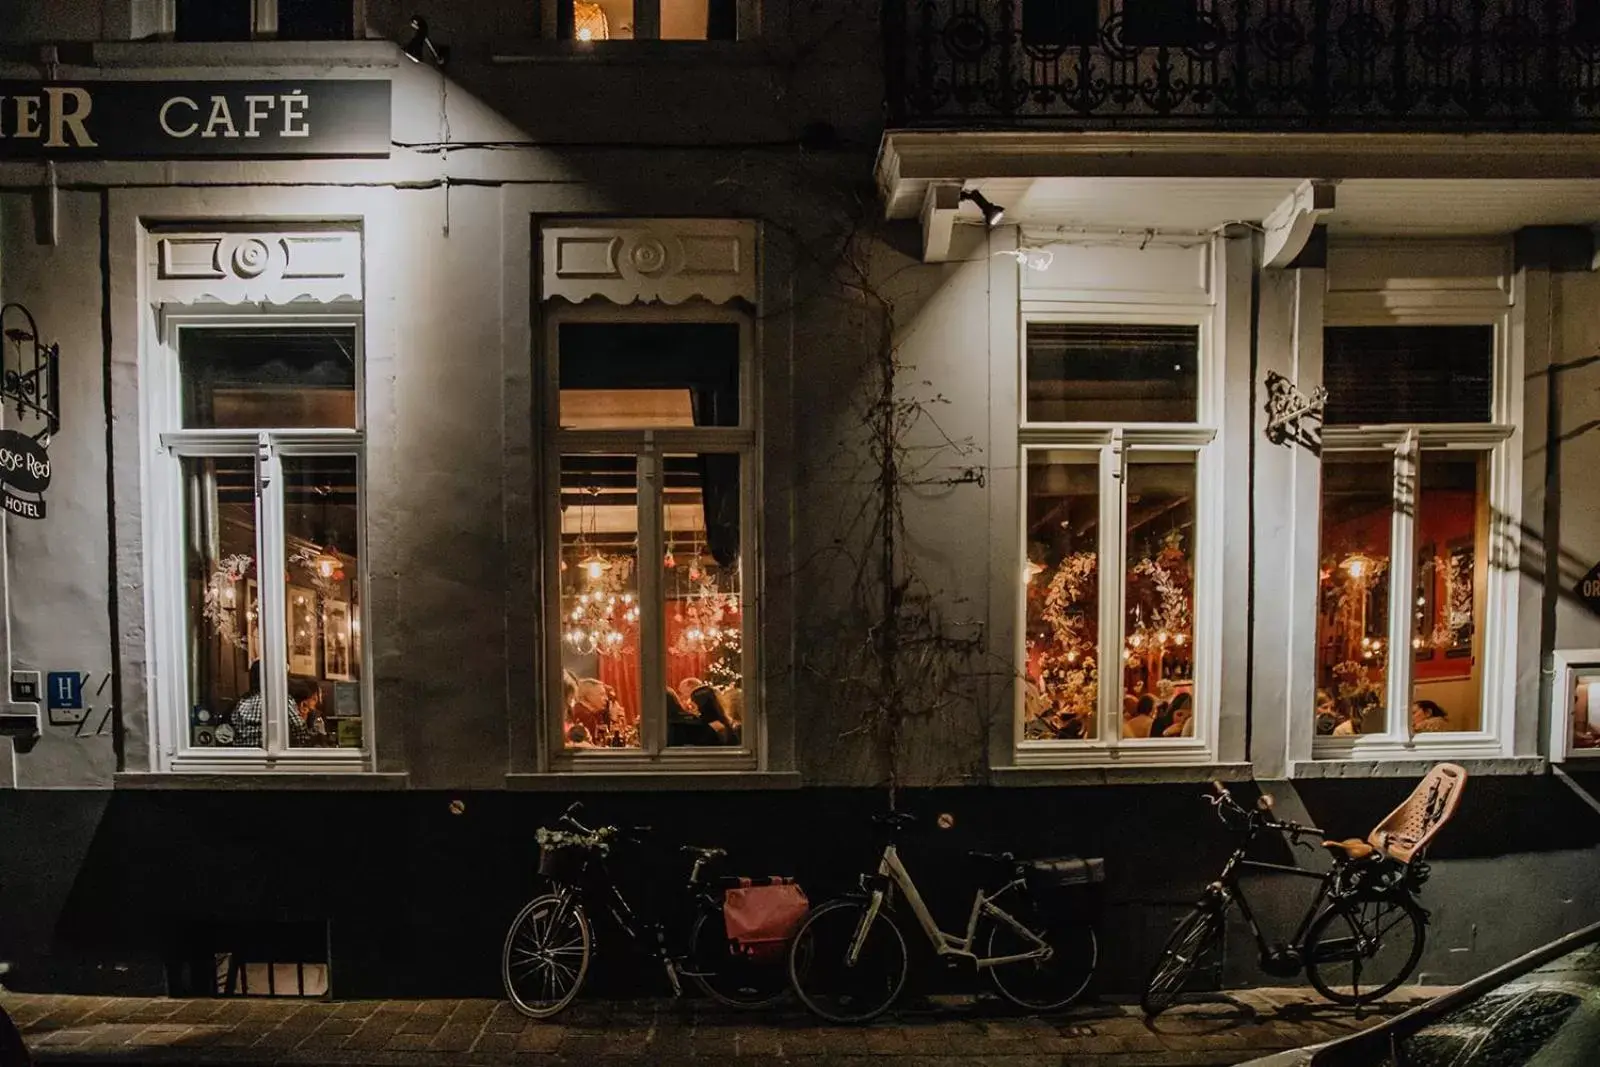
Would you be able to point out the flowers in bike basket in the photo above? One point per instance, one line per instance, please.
(565, 856)
(598, 841)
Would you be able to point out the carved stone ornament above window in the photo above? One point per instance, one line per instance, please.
(647, 261)
(322, 266)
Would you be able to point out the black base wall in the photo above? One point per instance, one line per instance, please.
(112, 892)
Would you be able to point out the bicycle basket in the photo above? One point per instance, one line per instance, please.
(564, 863)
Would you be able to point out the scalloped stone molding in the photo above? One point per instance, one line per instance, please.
(648, 261)
(323, 266)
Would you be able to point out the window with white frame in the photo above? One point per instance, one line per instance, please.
(1414, 495)
(257, 538)
(247, 20)
(1119, 539)
(651, 444)
(664, 20)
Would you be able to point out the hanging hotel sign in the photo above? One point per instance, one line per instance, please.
(166, 120)
(25, 468)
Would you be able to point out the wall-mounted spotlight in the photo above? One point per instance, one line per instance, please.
(992, 212)
(421, 48)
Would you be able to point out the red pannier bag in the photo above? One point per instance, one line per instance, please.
(763, 914)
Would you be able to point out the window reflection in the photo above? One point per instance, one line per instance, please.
(600, 654)
(1446, 683)
(701, 582)
(1158, 652)
(1353, 605)
(1061, 589)
(323, 596)
(225, 701)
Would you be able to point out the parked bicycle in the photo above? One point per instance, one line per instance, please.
(1363, 933)
(849, 959)
(548, 949)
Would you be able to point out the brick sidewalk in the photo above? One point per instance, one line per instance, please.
(486, 1033)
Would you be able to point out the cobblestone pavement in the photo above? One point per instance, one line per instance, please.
(484, 1033)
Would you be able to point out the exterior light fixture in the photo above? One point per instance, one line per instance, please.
(992, 213)
(421, 48)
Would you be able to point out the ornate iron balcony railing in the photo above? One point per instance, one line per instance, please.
(1273, 64)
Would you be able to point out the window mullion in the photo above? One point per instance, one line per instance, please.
(652, 606)
(273, 595)
(1113, 507)
(1402, 584)
(647, 20)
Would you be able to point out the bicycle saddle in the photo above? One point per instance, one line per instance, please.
(704, 853)
(1351, 849)
(895, 820)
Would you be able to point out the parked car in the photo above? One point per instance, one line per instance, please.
(1542, 1010)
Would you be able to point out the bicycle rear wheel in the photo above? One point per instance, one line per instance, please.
(725, 974)
(1196, 935)
(825, 979)
(1364, 947)
(546, 955)
(1042, 984)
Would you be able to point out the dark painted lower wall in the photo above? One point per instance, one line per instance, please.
(107, 892)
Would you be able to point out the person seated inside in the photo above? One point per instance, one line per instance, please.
(1136, 721)
(731, 697)
(308, 725)
(595, 713)
(1181, 714)
(1429, 718)
(1166, 693)
(704, 723)
(1583, 732)
(246, 717)
(1327, 714)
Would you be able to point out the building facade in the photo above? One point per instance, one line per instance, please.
(632, 418)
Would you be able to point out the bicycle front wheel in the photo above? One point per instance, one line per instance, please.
(1040, 984)
(546, 955)
(1196, 935)
(13, 1051)
(725, 974)
(1363, 948)
(828, 982)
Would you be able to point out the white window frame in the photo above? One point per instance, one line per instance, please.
(169, 445)
(647, 23)
(263, 18)
(1568, 664)
(653, 755)
(1500, 438)
(1114, 442)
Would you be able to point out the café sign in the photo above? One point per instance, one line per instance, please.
(211, 119)
(24, 468)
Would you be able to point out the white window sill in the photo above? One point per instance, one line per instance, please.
(229, 54)
(1413, 766)
(652, 781)
(256, 780)
(1147, 774)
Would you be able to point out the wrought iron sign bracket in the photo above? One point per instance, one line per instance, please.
(1290, 413)
(31, 374)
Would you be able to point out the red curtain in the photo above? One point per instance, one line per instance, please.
(621, 672)
(682, 665)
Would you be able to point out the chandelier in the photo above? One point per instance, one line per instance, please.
(589, 21)
(602, 607)
(593, 626)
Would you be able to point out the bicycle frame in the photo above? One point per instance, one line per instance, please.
(893, 872)
(1227, 890)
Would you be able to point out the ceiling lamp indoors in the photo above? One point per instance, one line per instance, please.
(589, 21)
(992, 213)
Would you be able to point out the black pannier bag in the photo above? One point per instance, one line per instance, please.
(1064, 873)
